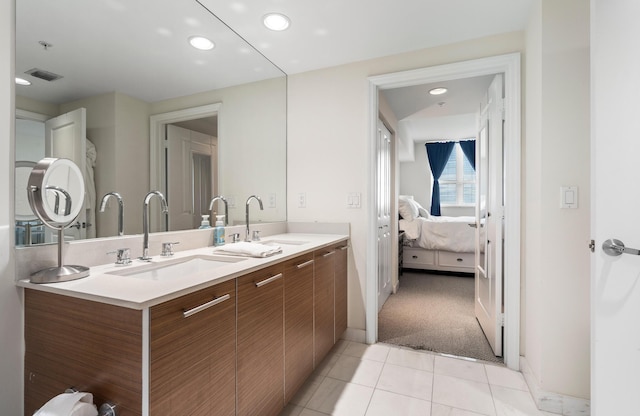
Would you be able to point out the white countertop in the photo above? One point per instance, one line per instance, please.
(138, 293)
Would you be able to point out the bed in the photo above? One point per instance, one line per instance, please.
(436, 242)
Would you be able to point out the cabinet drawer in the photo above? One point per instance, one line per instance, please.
(171, 330)
(416, 256)
(448, 258)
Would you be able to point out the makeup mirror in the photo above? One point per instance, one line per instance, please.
(55, 190)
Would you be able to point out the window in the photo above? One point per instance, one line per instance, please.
(458, 181)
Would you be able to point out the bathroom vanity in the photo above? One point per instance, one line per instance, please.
(238, 339)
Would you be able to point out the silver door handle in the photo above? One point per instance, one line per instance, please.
(615, 247)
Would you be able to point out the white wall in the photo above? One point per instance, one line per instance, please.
(11, 321)
(328, 135)
(557, 154)
(415, 177)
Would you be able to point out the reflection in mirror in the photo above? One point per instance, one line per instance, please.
(123, 83)
(29, 229)
(53, 184)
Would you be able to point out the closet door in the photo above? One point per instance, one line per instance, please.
(383, 203)
(179, 188)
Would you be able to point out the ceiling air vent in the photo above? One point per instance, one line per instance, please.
(42, 74)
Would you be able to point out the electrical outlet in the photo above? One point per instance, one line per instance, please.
(302, 200)
(272, 200)
(231, 201)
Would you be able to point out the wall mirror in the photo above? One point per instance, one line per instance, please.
(122, 79)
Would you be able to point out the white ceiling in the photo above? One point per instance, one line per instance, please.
(326, 33)
(137, 47)
(146, 55)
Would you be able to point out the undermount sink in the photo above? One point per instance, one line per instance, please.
(177, 268)
(281, 242)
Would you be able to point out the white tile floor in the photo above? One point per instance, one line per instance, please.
(385, 380)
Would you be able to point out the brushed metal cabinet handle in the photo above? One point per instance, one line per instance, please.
(306, 263)
(329, 254)
(269, 280)
(204, 306)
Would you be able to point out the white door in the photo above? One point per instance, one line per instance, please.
(191, 164)
(178, 170)
(615, 204)
(490, 217)
(64, 137)
(383, 201)
(204, 156)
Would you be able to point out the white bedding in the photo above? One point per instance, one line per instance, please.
(441, 233)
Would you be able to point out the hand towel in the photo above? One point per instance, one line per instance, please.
(248, 249)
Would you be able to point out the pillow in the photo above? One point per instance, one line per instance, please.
(407, 208)
(423, 212)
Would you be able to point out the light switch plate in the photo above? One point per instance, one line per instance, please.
(569, 197)
(353, 200)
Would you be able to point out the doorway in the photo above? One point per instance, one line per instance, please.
(509, 65)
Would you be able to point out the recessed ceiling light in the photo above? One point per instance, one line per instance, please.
(437, 91)
(276, 21)
(201, 43)
(22, 81)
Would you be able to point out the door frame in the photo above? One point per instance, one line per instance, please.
(509, 65)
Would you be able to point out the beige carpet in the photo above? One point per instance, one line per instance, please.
(434, 312)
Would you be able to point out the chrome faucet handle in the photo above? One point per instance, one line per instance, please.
(123, 256)
(235, 237)
(167, 248)
(256, 235)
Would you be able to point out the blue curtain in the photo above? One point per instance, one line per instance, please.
(469, 150)
(438, 154)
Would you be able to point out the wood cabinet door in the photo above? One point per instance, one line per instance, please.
(341, 295)
(260, 387)
(323, 302)
(193, 354)
(92, 346)
(298, 322)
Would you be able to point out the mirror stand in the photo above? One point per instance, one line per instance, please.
(61, 273)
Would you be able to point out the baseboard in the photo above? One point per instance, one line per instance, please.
(355, 335)
(553, 402)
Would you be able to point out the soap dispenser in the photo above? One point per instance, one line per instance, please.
(205, 222)
(218, 231)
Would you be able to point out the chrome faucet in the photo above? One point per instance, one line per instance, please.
(145, 220)
(103, 205)
(226, 207)
(257, 198)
